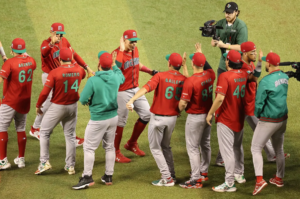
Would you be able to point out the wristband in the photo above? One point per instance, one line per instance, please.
(2, 51)
(256, 73)
(228, 47)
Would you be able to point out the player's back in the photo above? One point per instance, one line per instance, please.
(18, 72)
(232, 85)
(66, 81)
(201, 85)
(167, 93)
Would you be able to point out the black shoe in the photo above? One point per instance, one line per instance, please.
(174, 178)
(107, 179)
(84, 182)
(192, 184)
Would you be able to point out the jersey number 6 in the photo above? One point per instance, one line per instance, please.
(169, 92)
(22, 76)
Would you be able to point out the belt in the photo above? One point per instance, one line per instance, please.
(164, 115)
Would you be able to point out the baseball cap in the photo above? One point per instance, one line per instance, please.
(272, 58)
(65, 54)
(234, 56)
(198, 59)
(106, 60)
(174, 59)
(247, 46)
(130, 35)
(101, 52)
(18, 45)
(58, 27)
(231, 7)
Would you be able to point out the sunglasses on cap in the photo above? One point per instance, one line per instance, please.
(131, 42)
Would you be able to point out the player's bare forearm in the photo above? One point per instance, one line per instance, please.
(1, 79)
(217, 103)
(139, 94)
(182, 105)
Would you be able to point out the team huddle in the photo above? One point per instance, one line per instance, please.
(113, 91)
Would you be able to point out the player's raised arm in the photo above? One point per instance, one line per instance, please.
(185, 71)
(2, 52)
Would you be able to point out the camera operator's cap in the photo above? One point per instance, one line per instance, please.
(106, 60)
(101, 52)
(174, 59)
(65, 54)
(272, 58)
(130, 35)
(198, 59)
(247, 46)
(58, 27)
(234, 56)
(231, 7)
(18, 45)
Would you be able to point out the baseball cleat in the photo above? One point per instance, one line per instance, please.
(79, 141)
(239, 178)
(221, 164)
(43, 166)
(121, 158)
(286, 156)
(203, 177)
(192, 184)
(259, 186)
(84, 182)
(20, 162)
(224, 188)
(70, 170)
(107, 179)
(4, 164)
(164, 182)
(35, 132)
(135, 149)
(277, 182)
(174, 178)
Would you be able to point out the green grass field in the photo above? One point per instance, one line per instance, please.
(164, 26)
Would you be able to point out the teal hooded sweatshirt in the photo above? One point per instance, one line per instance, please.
(101, 93)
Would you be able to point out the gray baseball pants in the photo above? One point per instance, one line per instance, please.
(230, 144)
(141, 106)
(67, 115)
(95, 132)
(263, 132)
(160, 130)
(7, 114)
(252, 121)
(197, 132)
(45, 106)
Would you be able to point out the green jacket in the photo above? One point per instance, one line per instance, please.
(234, 34)
(270, 101)
(101, 93)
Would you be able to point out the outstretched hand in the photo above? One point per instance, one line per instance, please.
(184, 59)
(198, 47)
(122, 44)
(114, 57)
(260, 55)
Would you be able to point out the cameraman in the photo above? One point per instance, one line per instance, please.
(234, 33)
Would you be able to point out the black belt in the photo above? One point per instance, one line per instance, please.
(164, 115)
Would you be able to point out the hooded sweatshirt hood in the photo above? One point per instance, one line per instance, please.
(104, 75)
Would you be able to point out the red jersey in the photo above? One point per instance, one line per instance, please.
(232, 85)
(65, 81)
(18, 74)
(251, 87)
(168, 87)
(197, 90)
(50, 54)
(130, 69)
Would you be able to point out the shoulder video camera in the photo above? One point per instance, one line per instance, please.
(209, 30)
(295, 65)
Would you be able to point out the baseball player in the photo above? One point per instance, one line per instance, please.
(103, 106)
(49, 54)
(229, 113)
(196, 99)
(64, 81)
(130, 67)
(164, 111)
(17, 74)
(271, 109)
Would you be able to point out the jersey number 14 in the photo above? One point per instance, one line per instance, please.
(73, 87)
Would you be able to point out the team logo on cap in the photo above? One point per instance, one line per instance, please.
(51, 28)
(19, 46)
(134, 34)
(228, 6)
(59, 28)
(125, 36)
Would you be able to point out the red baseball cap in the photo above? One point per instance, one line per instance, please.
(174, 59)
(18, 45)
(198, 59)
(106, 60)
(65, 54)
(58, 27)
(272, 58)
(234, 56)
(130, 35)
(247, 46)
